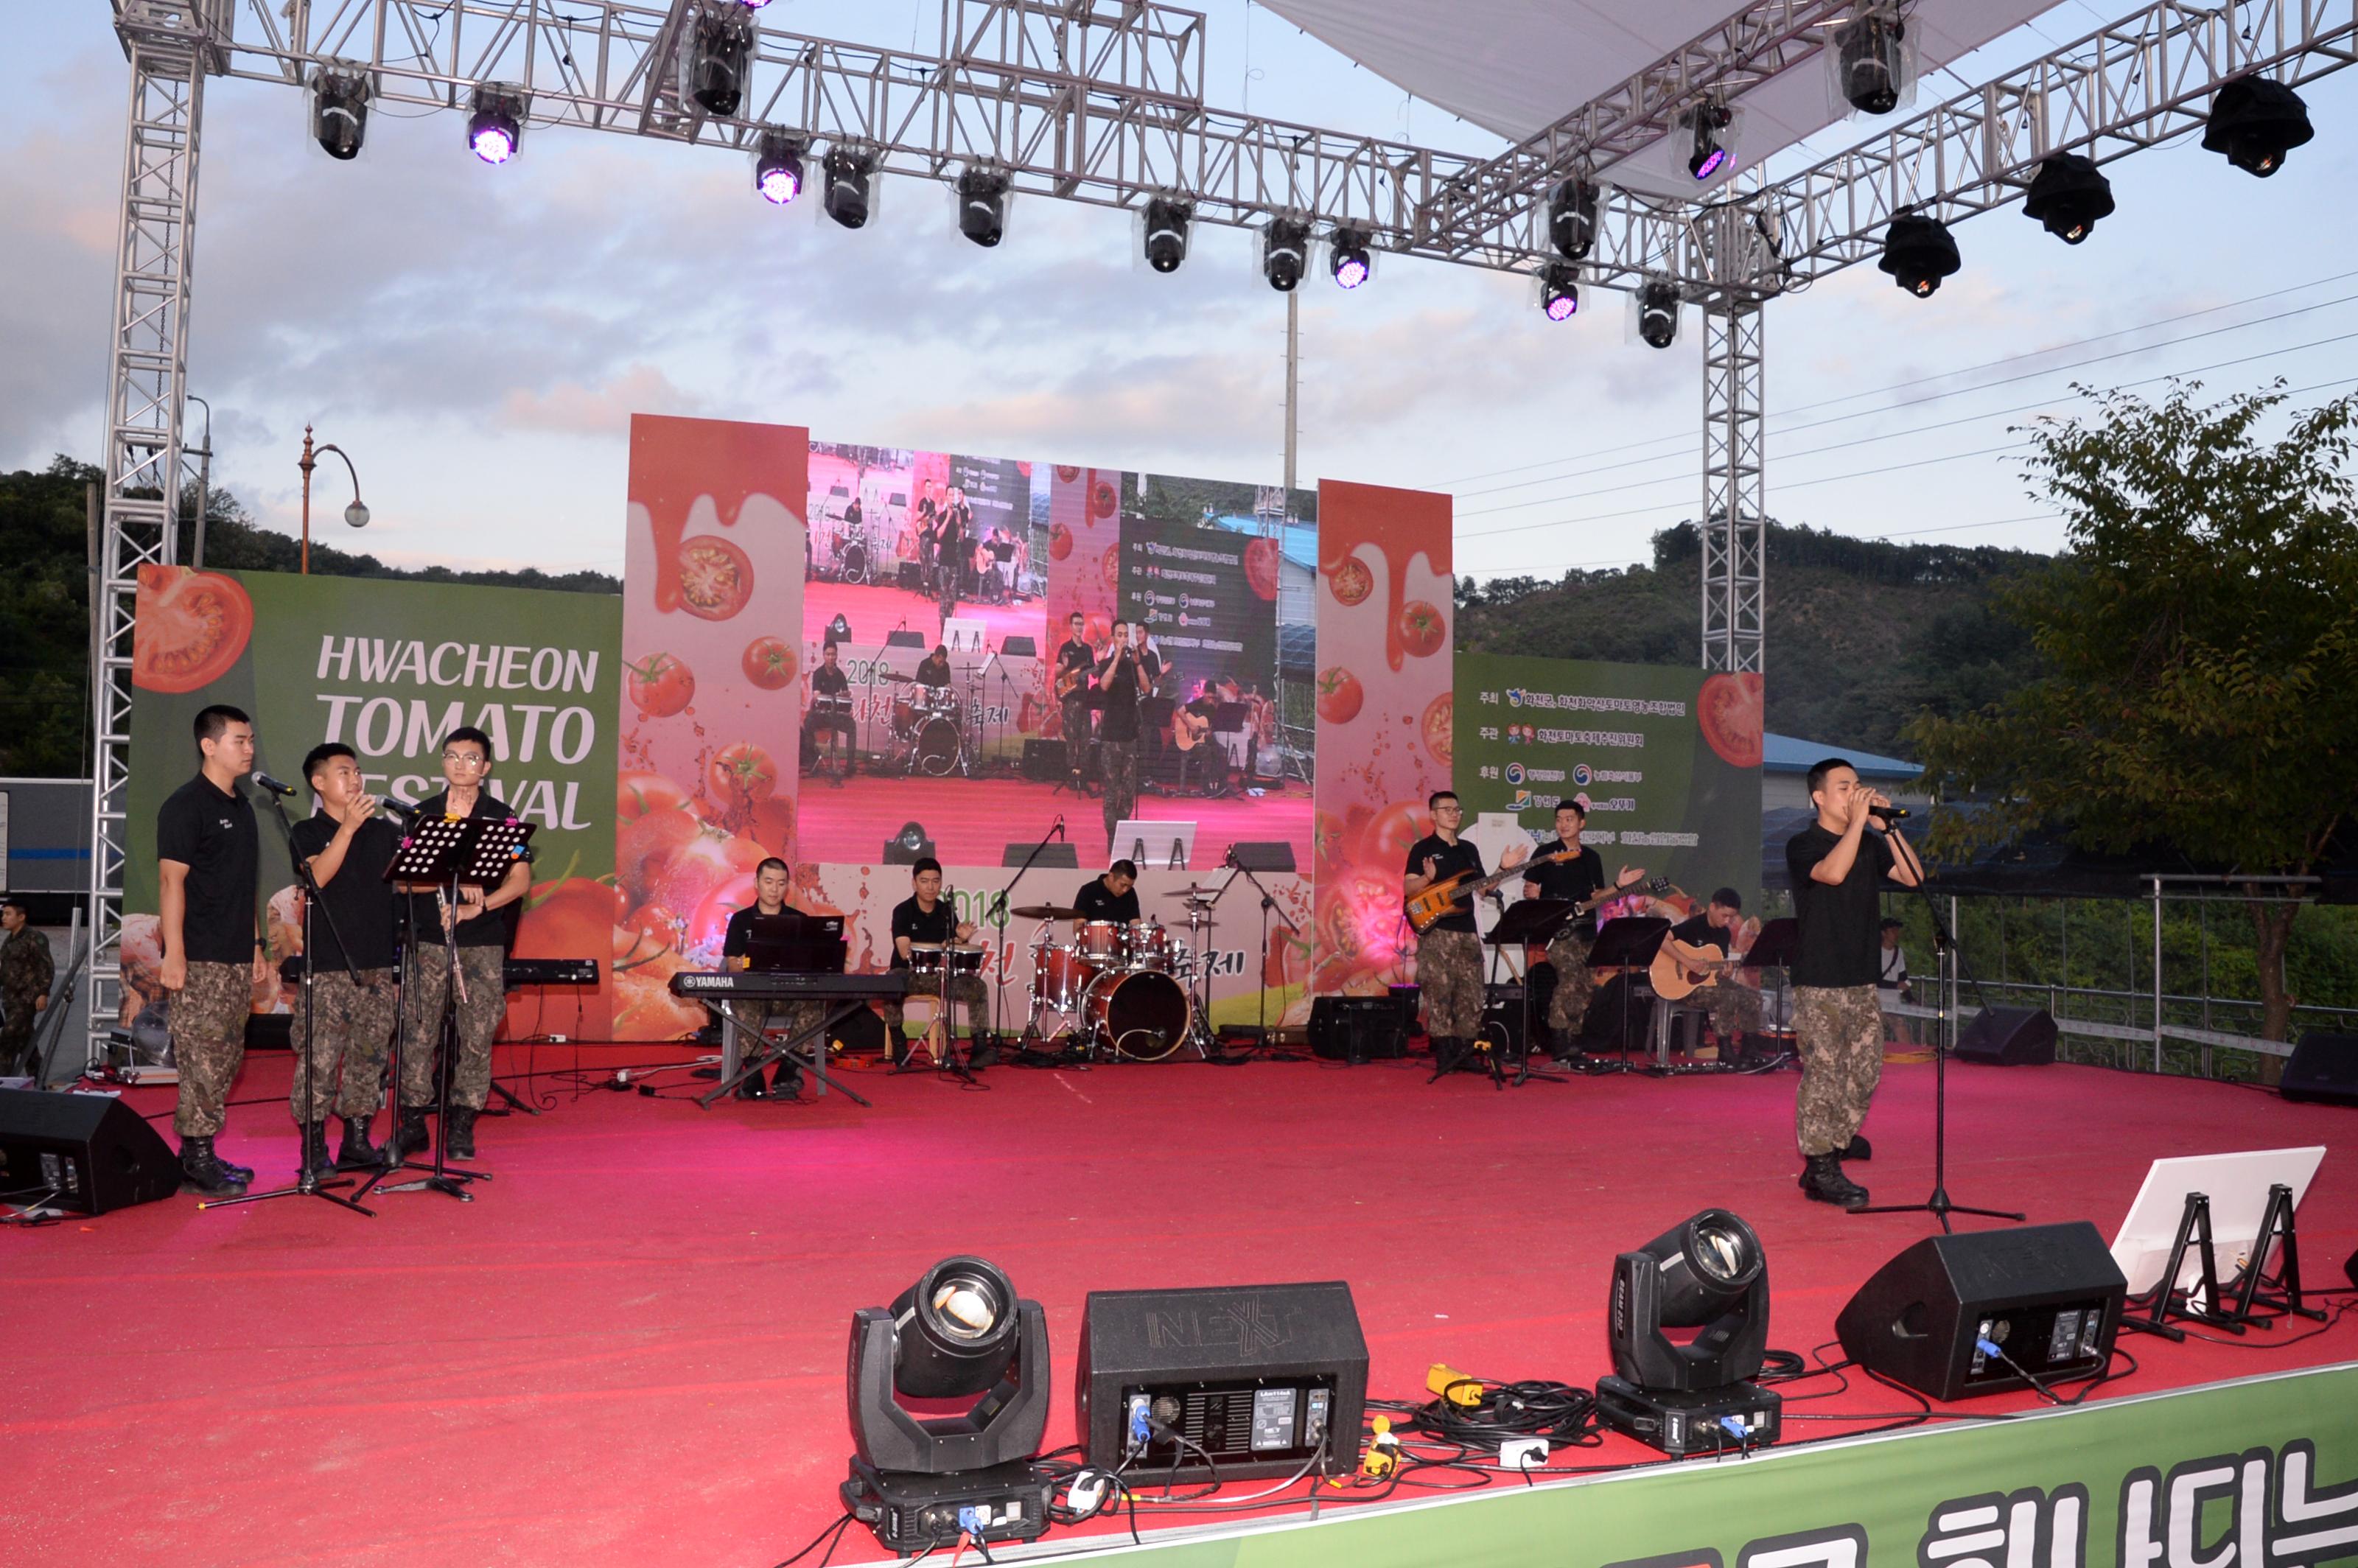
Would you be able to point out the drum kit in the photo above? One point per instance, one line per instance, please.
(929, 722)
(1136, 991)
(850, 565)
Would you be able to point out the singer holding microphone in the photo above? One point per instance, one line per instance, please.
(1840, 865)
(1125, 674)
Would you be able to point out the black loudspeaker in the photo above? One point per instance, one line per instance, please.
(1016, 645)
(1044, 761)
(1366, 1028)
(863, 1030)
(2048, 1296)
(94, 1149)
(1259, 1378)
(2008, 1037)
(2323, 1069)
(1054, 855)
(2349, 1270)
(904, 638)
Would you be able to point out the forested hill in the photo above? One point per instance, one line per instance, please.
(1862, 633)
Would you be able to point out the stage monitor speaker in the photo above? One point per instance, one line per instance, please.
(1366, 1028)
(2048, 1296)
(1256, 1378)
(1044, 761)
(863, 1028)
(91, 1150)
(1406, 998)
(270, 1031)
(2009, 1037)
(904, 638)
(2349, 1270)
(1018, 645)
(1056, 855)
(1264, 854)
(2323, 1068)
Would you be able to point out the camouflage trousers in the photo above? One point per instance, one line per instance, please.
(349, 1035)
(1076, 733)
(1841, 1034)
(1568, 953)
(17, 1034)
(1734, 1010)
(1120, 760)
(965, 992)
(1449, 974)
(479, 1020)
(207, 1025)
(782, 1022)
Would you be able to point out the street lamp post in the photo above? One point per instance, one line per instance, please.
(356, 515)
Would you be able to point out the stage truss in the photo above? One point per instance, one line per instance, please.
(1103, 101)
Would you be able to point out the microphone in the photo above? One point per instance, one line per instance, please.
(405, 809)
(1888, 813)
(286, 791)
(1059, 830)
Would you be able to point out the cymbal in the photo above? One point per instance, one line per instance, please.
(1201, 894)
(1044, 912)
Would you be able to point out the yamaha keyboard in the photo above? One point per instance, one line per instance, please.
(771, 985)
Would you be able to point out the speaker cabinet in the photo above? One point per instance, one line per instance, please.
(1264, 1379)
(1044, 761)
(2048, 1296)
(2323, 1068)
(1362, 1028)
(2009, 1037)
(94, 1149)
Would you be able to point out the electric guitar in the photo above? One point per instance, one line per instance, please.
(1441, 899)
(1679, 971)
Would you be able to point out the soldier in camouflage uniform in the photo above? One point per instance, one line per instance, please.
(27, 972)
(1733, 1008)
(929, 918)
(1449, 952)
(1127, 673)
(1563, 868)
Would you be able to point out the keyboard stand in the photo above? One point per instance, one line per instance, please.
(813, 1061)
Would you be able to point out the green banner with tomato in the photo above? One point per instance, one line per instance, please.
(1667, 760)
(388, 669)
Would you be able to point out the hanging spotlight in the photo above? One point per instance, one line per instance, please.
(1708, 121)
(2255, 119)
(1690, 1395)
(1560, 290)
(2067, 196)
(1658, 314)
(1572, 219)
(1919, 252)
(1165, 231)
(848, 172)
(495, 129)
(1347, 255)
(1285, 253)
(982, 205)
(778, 167)
(340, 112)
(1874, 59)
(717, 59)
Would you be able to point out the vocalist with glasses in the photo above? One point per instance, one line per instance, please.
(1840, 865)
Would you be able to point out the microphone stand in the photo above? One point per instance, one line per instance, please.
(998, 918)
(307, 1184)
(1268, 905)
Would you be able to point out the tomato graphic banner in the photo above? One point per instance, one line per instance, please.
(388, 669)
(1667, 760)
(1384, 733)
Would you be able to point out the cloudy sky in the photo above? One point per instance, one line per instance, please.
(478, 338)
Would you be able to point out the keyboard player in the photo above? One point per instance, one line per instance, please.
(829, 719)
(771, 880)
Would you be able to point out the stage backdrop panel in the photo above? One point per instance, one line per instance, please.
(1666, 759)
(388, 669)
(1384, 734)
(714, 551)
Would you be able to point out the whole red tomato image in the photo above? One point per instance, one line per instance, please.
(709, 923)
(636, 793)
(1060, 541)
(1731, 710)
(1261, 561)
(1351, 582)
(686, 875)
(742, 774)
(1395, 831)
(715, 578)
(1105, 499)
(649, 929)
(569, 919)
(1111, 566)
(1421, 628)
(191, 627)
(660, 684)
(772, 826)
(770, 663)
(1440, 717)
(1340, 694)
(644, 849)
(1068, 474)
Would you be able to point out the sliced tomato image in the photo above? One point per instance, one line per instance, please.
(1440, 717)
(1351, 582)
(1733, 713)
(191, 627)
(715, 578)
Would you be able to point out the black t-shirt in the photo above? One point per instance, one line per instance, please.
(1097, 901)
(910, 921)
(358, 896)
(1455, 858)
(490, 929)
(1002, 550)
(934, 672)
(211, 832)
(852, 514)
(1697, 931)
(1839, 940)
(829, 681)
(1575, 879)
(1117, 695)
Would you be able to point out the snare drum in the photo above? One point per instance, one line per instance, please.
(1148, 946)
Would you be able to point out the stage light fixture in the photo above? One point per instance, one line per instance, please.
(1285, 253)
(778, 167)
(1707, 124)
(1164, 232)
(1560, 291)
(1919, 252)
(717, 60)
(848, 173)
(2067, 196)
(1874, 60)
(1691, 1394)
(2255, 119)
(340, 112)
(982, 205)
(495, 128)
(1658, 314)
(1572, 219)
(1348, 258)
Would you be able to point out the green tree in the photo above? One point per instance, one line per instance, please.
(2200, 657)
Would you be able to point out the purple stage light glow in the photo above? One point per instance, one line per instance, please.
(1711, 165)
(1563, 307)
(779, 185)
(1351, 272)
(493, 144)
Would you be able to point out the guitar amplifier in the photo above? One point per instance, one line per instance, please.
(1365, 1028)
(517, 973)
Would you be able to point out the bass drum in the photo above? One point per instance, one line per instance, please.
(1142, 1015)
(855, 562)
(939, 747)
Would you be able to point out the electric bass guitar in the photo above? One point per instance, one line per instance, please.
(1445, 897)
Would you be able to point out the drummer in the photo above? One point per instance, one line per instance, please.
(933, 670)
(1113, 896)
(923, 927)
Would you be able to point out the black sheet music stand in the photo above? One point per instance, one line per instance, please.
(1774, 948)
(453, 852)
(1532, 922)
(1626, 944)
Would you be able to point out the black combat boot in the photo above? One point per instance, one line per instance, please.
(1823, 1181)
(458, 1132)
(355, 1152)
(202, 1173)
(1857, 1148)
(315, 1166)
(408, 1135)
(241, 1173)
(786, 1081)
(750, 1085)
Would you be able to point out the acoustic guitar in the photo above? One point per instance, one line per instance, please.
(1188, 729)
(1679, 971)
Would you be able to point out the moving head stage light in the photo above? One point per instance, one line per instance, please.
(1572, 219)
(982, 205)
(1918, 253)
(1285, 253)
(1707, 1274)
(958, 1333)
(1163, 231)
(2067, 196)
(340, 113)
(2255, 121)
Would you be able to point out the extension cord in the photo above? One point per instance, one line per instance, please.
(1523, 1452)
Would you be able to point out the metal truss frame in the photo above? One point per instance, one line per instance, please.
(1734, 477)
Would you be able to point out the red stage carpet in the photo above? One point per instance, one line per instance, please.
(872, 611)
(631, 1348)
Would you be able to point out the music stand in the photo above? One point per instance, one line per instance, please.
(1626, 944)
(1533, 921)
(1774, 948)
(454, 852)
